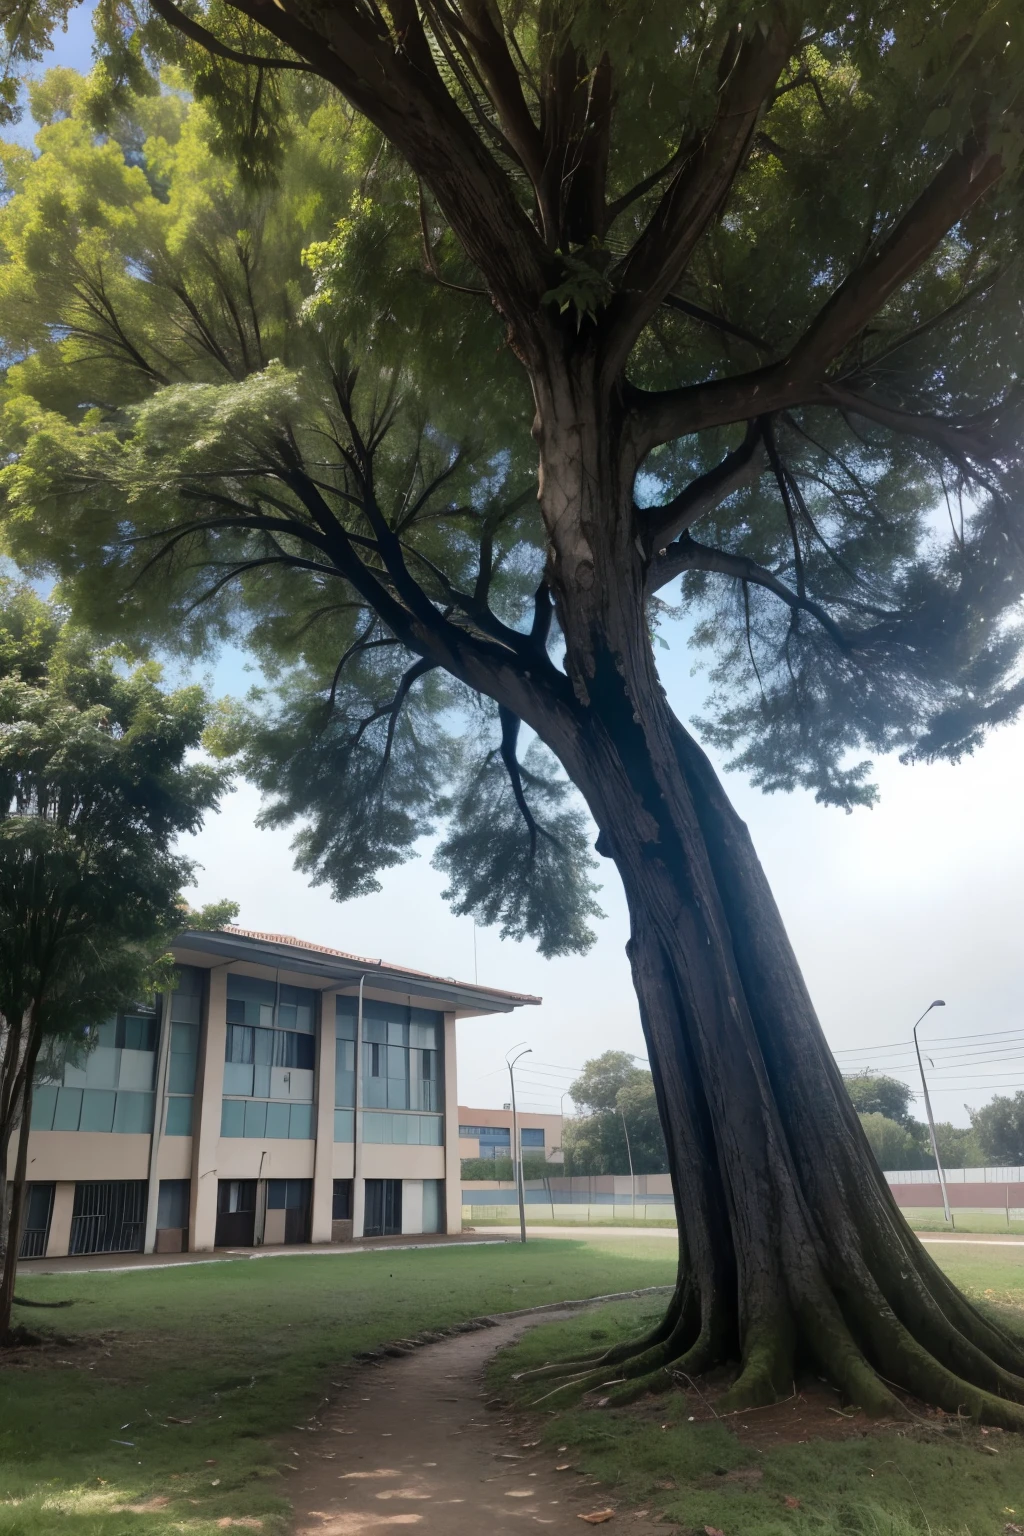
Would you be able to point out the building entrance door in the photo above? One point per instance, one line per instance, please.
(109, 1217)
(383, 1209)
(236, 1213)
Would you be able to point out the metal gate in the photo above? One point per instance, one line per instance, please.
(38, 1210)
(109, 1217)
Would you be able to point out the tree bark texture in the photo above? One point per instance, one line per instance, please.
(17, 1196)
(792, 1249)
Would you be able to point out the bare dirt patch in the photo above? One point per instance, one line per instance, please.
(416, 1440)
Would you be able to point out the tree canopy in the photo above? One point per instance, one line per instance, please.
(424, 349)
(999, 1128)
(617, 1100)
(96, 785)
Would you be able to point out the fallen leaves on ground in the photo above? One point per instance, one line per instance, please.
(597, 1517)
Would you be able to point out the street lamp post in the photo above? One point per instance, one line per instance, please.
(938, 1003)
(629, 1154)
(517, 1165)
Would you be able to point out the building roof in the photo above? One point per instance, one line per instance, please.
(282, 949)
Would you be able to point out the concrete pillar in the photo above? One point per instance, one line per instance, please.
(358, 1180)
(452, 1162)
(323, 1154)
(163, 1056)
(59, 1241)
(202, 1224)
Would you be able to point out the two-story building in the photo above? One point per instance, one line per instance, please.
(284, 1092)
(487, 1133)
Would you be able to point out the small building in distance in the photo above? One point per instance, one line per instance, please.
(488, 1133)
(284, 1092)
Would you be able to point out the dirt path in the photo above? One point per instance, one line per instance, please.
(411, 1444)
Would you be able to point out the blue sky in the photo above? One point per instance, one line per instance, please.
(917, 899)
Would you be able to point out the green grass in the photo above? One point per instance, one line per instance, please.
(927, 1219)
(925, 1482)
(512, 1219)
(245, 1351)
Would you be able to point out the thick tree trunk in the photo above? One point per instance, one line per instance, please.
(792, 1250)
(17, 1204)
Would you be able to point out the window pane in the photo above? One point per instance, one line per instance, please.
(182, 1077)
(531, 1137)
(235, 1011)
(345, 1089)
(232, 1117)
(341, 1208)
(374, 1128)
(304, 1018)
(344, 1125)
(374, 1029)
(398, 1034)
(133, 1112)
(172, 1203)
(261, 1077)
(277, 1194)
(97, 1110)
(69, 1109)
(184, 1039)
(277, 1120)
(238, 1044)
(432, 1205)
(345, 1026)
(430, 1130)
(179, 1118)
(44, 1102)
(286, 1016)
(266, 1016)
(136, 1070)
(238, 1078)
(263, 1047)
(375, 1092)
(300, 1122)
(255, 1120)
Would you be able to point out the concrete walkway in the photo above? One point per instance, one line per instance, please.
(120, 1263)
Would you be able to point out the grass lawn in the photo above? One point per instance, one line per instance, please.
(928, 1219)
(243, 1351)
(757, 1481)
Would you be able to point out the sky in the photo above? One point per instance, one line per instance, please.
(888, 909)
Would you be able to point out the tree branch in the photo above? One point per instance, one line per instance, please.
(739, 468)
(687, 555)
(801, 378)
(509, 737)
(417, 670)
(197, 33)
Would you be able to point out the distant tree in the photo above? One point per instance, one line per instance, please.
(617, 1098)
(535, 1166)
(97, 782)
(999, 1127)
(894, 1145)
(959, 1146)
(879, 1095)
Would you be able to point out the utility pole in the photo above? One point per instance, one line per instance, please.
(517, 1160)
(938, 1003)
(629, 1154)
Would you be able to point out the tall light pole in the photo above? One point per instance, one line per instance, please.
(938, 1003)
(517, 1164)
(629, 1154)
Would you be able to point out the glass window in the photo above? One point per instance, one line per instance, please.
(345, 1073)
(232, 1117)
(255, 1119)
(344, 1125)
(263, 1046)
(235, 1011)
(341, 1205)
(374, 1128)
(531, 1138)
(431, 1131)
(133, 1112)
(139, 1033)
(97, 1110)
(346, 1010)
(287, 1194)
(297, 1009)
(187, 997)
(69, 1109)
(239, 1043)
(179, 1117)
(433, 1204)
(294, 1050)
(374, 1029)
(238, 1078)
(182, 1075)
(172, 1203)
(234, 1195)
(277, 1121)
(44, 1102)
(398, 1033)
(106, 1034)
(300, 1122)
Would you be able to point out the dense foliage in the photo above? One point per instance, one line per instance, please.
(616, 1100)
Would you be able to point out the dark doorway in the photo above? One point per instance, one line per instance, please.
(236, 1213)
(109, 1217)
(294, 1198)
(36, 1230)
(383, 1214)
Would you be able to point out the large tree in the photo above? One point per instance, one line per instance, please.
(617, 1128)
(96, 785)
(750, 273)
